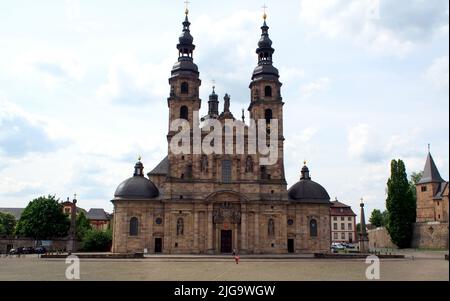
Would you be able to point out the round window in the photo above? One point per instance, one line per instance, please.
(158, 221)
(290, 222)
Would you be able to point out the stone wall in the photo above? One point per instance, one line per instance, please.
(14, 243)
(380, 238)
(432, 235)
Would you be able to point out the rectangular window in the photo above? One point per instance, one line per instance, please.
(349, 218)
(343, 236)
(226, 171)
(349, 226)
(342, 218)
(335, 226)
(335, 235)
(424, 188)
(335, 218)
(342, 226)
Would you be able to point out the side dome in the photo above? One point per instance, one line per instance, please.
(137, 187)
(308, 191)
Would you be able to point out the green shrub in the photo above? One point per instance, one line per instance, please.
(97, 241)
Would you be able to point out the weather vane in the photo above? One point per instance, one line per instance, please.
(265, 13)
(187, 7)
(139, 158)
(214, 85)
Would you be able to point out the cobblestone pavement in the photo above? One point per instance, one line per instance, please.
(425, 267)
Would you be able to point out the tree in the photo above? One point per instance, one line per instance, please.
(415, 178)
(97, 241)
(82, 226)
(376, 218)
(43, 218)
(7, 224)
(400, 205)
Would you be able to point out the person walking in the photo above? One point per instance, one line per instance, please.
(237, 257)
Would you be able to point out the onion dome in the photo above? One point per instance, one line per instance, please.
(265, 68)
(185, 63)
(213, 108)
(308, 191)
(137, 187)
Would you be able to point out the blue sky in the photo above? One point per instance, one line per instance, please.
(83, 88)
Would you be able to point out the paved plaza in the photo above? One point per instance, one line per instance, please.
(424, 266)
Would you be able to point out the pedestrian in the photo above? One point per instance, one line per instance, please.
(237, 258)
(234, 252)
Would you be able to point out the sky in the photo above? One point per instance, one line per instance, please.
(84, 87)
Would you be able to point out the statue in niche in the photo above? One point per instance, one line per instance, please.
(180, 226)
(271, 228)
(249, 165)
(204, 163)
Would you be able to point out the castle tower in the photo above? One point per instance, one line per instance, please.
(266, 101)
(427, 190)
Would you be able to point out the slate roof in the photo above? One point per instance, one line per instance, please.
(341, 209)
(162, 169)
(430, 172)
(97, 214)
(17, 212)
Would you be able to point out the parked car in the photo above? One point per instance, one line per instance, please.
(40, 250)
(337, 246)
(16, 251)
(28, 250)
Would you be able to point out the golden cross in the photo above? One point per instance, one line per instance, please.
(214, 84)
(265, 14)
(187, 6)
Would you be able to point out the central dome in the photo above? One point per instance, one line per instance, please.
(136, 187)
(308, 191)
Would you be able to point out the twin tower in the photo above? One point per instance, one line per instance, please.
(266, 101)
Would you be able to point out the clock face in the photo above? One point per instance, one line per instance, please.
(158, 221)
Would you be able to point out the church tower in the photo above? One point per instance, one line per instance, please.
(266, 101)
(184, 82)
(184, 98)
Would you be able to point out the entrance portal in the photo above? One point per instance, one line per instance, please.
(291, 248)
(226, 245)
(158, 245)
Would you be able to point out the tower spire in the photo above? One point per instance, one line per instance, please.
(265, 51)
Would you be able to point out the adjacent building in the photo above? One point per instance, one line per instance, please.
(98, 218)
(343, 223)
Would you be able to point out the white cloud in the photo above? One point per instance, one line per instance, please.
(309, 89)
(438, 74)
(363, 143)
(49, 65)
(131, 82)
(392, 27)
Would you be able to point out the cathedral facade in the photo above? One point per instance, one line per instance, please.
(220, 202)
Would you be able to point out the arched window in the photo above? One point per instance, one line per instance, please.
(184, 113)
(268, 115)
(134, 226)
(268, 91)
(184, 88)
(313, 228)
(180, 226)
(271, 228)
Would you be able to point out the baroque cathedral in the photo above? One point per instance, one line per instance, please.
(220, 203)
